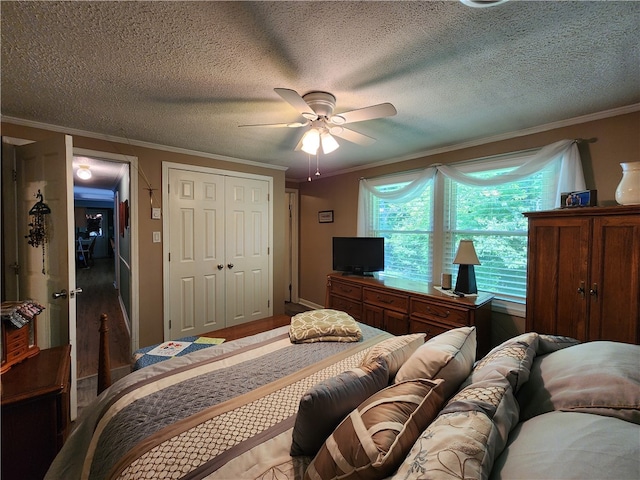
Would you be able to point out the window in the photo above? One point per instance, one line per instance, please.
(424, 215)
(492, 217)
(407, 227)
(94, 225)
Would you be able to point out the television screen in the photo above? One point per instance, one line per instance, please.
(358, 255)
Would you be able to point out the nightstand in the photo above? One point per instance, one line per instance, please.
(35, 413)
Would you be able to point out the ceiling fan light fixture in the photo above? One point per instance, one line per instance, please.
(329, 144)
(83, 172)
(311, 141)
(482, 3)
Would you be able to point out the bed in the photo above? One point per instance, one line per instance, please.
(384, 406)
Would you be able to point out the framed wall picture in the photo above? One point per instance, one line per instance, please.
(325, 216)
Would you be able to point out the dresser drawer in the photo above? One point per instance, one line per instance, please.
(386, 300)
(18, 335)
(16, 352)
(345, 290)
(423, 326)
(351, 307)
(439, 313)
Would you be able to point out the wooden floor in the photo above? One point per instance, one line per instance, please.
(99, 296)
(251, 328)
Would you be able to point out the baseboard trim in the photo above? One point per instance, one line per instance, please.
(310, 304)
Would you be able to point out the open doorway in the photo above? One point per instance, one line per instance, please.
(101, 240)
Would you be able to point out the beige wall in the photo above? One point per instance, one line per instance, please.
(609, 142)
(150, 261)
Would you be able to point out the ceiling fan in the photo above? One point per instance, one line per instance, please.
(317, 110)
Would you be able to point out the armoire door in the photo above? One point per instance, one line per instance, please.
(614, 288)
(557, 276)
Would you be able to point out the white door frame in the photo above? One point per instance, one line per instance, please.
(294, 201)
(133, 233)
(166, 279)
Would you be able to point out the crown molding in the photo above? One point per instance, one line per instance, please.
(137, 143)
(614, 112)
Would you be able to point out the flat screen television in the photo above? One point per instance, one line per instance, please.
(358, 255)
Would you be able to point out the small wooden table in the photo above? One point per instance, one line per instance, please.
(35, 413)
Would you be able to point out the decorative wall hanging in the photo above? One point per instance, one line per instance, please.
(123, 216)
(37, 232)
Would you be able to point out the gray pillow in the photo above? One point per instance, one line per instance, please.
(449, 356)
(595, 377)
(326, 404)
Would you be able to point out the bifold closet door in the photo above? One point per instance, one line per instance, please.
(247, 249)
(197, 263)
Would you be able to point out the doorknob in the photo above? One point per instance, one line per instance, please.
(220, 266)
(74, 291)
(229, 265)
(61, 294)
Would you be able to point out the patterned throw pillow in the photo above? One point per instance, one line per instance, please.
(326, 404)
(449, 356)
(467, 436)
(394, 351)
(376, 437)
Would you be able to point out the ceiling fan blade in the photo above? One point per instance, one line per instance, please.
(278, 125)
(351, 136)
(366, 113)
(296, 101)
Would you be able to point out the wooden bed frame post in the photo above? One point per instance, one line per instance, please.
(104, 361)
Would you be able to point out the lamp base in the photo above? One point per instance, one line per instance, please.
(466, 281)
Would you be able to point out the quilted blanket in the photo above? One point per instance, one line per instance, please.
(189, 416)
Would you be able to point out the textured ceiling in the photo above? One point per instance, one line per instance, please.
(186, 74)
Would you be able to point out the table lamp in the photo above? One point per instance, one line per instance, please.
(466, 258)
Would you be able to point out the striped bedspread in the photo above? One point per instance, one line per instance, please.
(222, 412)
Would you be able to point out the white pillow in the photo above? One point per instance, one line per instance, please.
(449, 356)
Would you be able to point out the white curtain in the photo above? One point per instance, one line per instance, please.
(570, 178)
(405, 194)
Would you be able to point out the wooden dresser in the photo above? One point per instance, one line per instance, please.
(583, 276)
(402, 306)
(35, 413)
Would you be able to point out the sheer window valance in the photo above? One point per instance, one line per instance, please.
(565, 152)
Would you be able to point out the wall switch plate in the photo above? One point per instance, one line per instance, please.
(156, 237)
(156, 213)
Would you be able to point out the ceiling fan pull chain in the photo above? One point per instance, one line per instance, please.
(317, 166)
(309, 177)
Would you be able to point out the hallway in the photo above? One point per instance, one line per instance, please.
(99, 296)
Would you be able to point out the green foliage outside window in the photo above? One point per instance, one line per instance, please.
(490, 216)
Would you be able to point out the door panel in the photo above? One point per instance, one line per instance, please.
(47, 166)
(247, 243)
(614, 289)
(196, 243)
(558, 255)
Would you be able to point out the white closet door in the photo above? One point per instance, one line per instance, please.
(247, 245)
(197, 263)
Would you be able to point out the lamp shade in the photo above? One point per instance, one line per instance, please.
(329, 144)
(311, 141)
(466, 254)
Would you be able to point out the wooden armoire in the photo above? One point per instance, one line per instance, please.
(583, 277)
